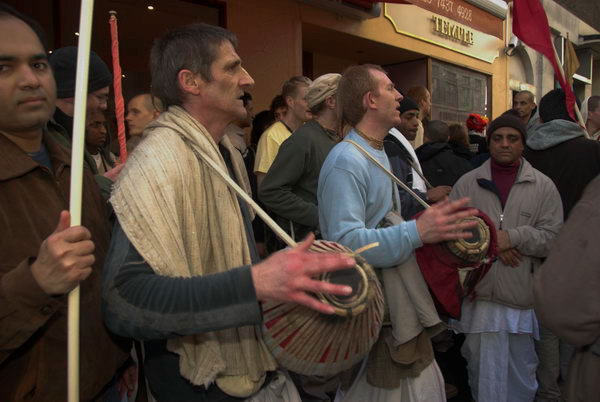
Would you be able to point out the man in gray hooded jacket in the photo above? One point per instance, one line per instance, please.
(559, 148)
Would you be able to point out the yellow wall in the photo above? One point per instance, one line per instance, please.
(270, 33)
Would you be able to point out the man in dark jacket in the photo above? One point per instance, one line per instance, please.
(405, 164)
(559, 149)
(441, 166)
(42, 258)
(290, 186)
(64, 65)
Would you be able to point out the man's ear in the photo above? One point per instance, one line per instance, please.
(289, 101)
(330, 102)
(189, 82)
(369, 101)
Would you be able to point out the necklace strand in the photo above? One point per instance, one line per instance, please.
(377, 144)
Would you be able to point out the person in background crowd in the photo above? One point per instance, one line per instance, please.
(64, 64)
(567, 297)
(559, 149)
(404, 369)
(476, 124)
(96, 137)
(441, 166)
(297, 113)
(422, 96)
(236, 131)
(183, 273)
(524, 105)
(278, 107)
(459, 141)
(405, 164)
(42, 258)
(590, 112)
(141, 110)
(500, 324)
(289, 189)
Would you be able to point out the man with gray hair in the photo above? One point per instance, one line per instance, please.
(290, 186)
(182, 273)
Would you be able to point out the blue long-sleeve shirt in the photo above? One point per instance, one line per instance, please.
(354, 196)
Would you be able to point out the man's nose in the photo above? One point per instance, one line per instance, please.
(29, 79)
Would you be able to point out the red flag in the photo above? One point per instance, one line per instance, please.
(530, 25)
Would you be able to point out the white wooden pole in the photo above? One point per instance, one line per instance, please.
(81, 89)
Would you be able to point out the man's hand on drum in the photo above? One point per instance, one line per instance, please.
(288, 276)
(440, 221)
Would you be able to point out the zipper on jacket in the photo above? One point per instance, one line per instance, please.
(501, 219)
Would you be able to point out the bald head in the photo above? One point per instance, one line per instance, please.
(141, 110)
(524, 104)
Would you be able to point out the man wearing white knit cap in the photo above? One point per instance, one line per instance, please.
(290, 187)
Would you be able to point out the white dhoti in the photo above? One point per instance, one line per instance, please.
(500, 351)
(501, 366)
(427, 387)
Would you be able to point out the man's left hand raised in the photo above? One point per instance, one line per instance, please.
(288, 276)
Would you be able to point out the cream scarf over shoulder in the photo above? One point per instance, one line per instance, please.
(185, 221)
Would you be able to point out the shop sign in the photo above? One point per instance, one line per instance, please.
(420, 23)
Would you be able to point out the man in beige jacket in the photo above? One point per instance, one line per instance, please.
(500, 324)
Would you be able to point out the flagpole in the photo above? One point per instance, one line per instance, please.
(575, 107)
(77, 152)
(119, 102)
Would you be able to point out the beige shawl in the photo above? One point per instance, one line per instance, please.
(185, 221)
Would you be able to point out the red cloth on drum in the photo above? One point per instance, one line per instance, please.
(439, 268)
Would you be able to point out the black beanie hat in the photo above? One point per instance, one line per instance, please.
(408, 104)
(507, 120)
(553, 106)
(64, 66)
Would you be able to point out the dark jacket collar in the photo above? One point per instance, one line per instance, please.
(15, 162)
(65, 121)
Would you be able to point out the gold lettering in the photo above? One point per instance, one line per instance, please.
(453, 31)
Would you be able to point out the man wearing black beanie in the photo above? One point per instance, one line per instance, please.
(560, 150)
(64, 66)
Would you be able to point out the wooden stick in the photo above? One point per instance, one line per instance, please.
(77, 152)
(575, 107)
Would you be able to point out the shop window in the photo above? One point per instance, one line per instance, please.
(457, 91)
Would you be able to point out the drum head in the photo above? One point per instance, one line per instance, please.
(474, 249)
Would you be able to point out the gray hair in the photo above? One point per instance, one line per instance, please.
(193, 47)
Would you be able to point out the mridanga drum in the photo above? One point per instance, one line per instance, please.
(452, 269)
(308, 342)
